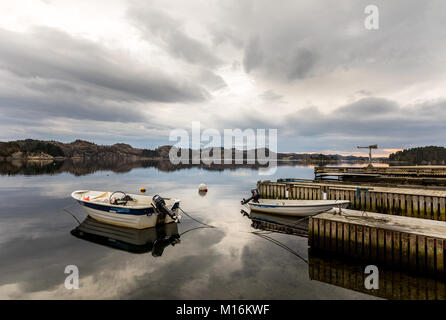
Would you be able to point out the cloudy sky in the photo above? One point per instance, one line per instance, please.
(131, 71)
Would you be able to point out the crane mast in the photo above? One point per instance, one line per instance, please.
(374, 146)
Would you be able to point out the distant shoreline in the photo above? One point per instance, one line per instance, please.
(53, 150)
(38, 150)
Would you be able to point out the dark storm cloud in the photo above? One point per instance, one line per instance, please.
(211, 81)
(253, 55)
(53, 55)
(374, 120)
(296, 63)
(371, 118)
(61, 103)
(156, 24)
(301, 39)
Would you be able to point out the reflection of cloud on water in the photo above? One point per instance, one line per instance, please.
(108, 273)
(223, 262)
(240, 173)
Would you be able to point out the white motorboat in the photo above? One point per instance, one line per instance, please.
(128, 210)
(297, 208)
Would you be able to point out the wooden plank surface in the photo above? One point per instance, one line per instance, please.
(425, 227)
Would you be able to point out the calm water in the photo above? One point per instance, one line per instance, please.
(226, 262)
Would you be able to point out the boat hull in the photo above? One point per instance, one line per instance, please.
(139, 216)
(296, 210)
(128, 220)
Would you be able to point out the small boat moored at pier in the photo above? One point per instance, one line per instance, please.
(128, 210)
(297, 208)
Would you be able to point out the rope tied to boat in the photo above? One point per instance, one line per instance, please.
(70, 213)
(200, 222)
(205, 225)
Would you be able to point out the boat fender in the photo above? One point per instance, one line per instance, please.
(255, 197)
(161, 206)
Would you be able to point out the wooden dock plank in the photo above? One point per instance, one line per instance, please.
(346, 235)
(439, 255)
(421, 251)
(404, 250)
(411, 243)
(366, 253)
(396, 248)
(340, 237)
(430, 251)
(425, 227)
(389, 247)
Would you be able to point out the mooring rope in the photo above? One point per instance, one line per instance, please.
(184, 232)
(262, 234)
(70, 213)
(280, 244)
(200, 222)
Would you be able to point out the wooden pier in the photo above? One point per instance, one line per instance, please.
(395, 285)
(416, 202)
(407, 174)
(399, 242)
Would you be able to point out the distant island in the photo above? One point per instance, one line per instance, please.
(30, 149)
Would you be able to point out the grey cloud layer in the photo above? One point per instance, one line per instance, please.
(51, 54)
(301, 39)
(47, 73)
(155, 23)
(369, 120)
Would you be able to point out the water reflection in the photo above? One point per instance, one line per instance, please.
(393, 284)
(278, 223)
(153, 240)
(225, 262)
(342, 273)
(80, 167)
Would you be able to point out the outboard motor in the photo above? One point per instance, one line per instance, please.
(160, 244)
(161, 206)
(255, 197)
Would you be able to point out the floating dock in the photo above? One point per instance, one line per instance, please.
(398, 242)
(416, 202)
